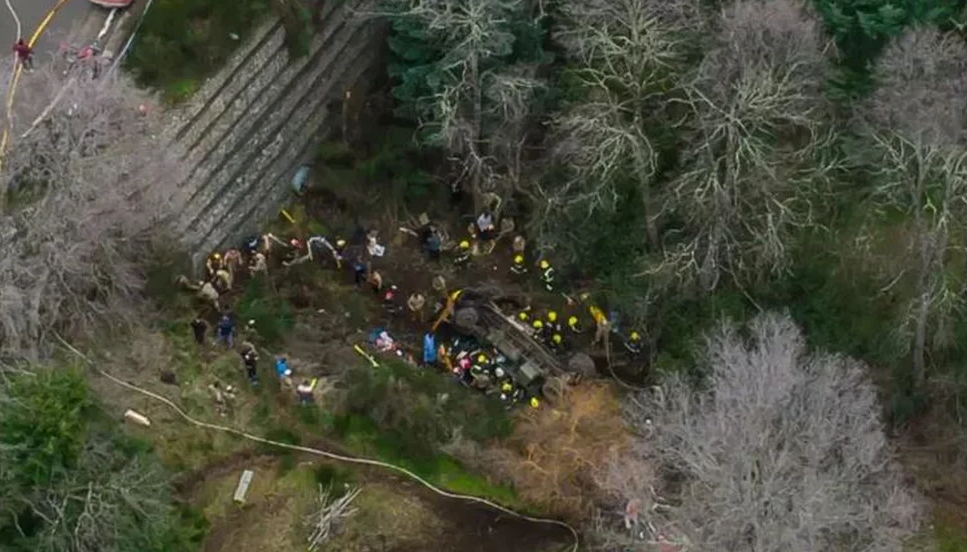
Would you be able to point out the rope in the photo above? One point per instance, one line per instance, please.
(130, 41)
(13, 12)
(323, 453)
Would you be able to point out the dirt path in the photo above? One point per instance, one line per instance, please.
(469, 527)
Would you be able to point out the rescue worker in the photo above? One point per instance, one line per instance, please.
(430, 350)
(283, 371)
(250, 245)
(213, 264)
(463, 254)
(375, 281)
(556, 342)
(602, 326)
(432, 243)
(25, 54)
(226, 331)
(415, 304)
(439, 284)
(574, 324)
(199, 327)
(633, 344)
(552, 322)
(359, 271)
(304, 392)
(258, 263)
(294, 252)
(250, 357)
(506, 389)
(207, 292)
(233, 260)
(547, 275)
(389, 301)
(524, 316)
(340, 251)
(519, 267)
(519, 245)
(223, 280)
(539, 331)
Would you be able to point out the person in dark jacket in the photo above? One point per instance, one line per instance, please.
(200, 328)
(226, 330)
(25, 54)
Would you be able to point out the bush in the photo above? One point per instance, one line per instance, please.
(404, 404)
(70, 480)
(272, 314)
(182, 42)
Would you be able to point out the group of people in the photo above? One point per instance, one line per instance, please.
(475, 364)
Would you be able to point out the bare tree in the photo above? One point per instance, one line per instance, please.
(480, 110)
(753, 143)
(86, 183)
(921, 80)
(783, 450)
(626, 56)
(916, 123)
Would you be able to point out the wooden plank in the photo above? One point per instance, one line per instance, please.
(243, 484)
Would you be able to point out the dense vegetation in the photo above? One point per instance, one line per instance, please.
(709, 159)
(70, 480)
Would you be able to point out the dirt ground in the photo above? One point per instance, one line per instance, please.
(406, 266)
(394, 515)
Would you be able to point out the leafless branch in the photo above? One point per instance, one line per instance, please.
(87, 189)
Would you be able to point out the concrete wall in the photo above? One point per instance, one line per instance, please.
(250, 127)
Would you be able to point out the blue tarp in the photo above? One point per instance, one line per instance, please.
(429, 348)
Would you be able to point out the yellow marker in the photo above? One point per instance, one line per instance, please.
(366, 355)
(287, 216)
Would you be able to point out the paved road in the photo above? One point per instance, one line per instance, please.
(31, 12)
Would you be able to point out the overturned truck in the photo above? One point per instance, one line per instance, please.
(531, 365)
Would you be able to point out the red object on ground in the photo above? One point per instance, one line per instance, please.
(112, 3)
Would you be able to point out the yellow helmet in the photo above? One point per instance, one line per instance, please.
(552, 316)
(584, 296)
(523, 316)
(556, 338)
(572, 321)
(535, 403)
(456, 294)
(538, 324)
(464, 244)
(506, 386)
(635, 336)
(545, 265)
(482, 359)
(216, 255)
(519, 259)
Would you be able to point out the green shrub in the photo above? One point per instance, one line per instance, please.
(272, 314)
(182, 42)
(44, 420)
(408, 414)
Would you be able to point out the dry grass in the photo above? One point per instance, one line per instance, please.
(559, 457)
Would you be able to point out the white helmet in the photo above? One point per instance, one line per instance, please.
(499, 372)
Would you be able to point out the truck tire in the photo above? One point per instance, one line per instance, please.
(581, 363)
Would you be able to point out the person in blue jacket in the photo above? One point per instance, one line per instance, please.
(429, 349)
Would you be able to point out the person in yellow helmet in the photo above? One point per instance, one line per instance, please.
(574, 324)
(523, 316)
(634, 343)
(556, 342)
(602, 326)
(539, 330)
(535, 403)
(463, 254)
(519, 266)
(214, 263)
(552, 322)
(547, 275)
